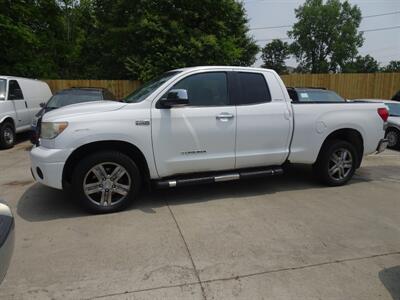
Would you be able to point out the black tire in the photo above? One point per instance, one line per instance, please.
(393, 135)
(7, 135)
(325, 164)
(84, 173)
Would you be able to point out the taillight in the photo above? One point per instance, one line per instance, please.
(383, 113)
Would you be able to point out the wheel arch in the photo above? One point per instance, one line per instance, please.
(392, 128)
(350, 135)
(124, 147)
(8, 119)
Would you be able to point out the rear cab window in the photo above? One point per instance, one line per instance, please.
(254, 89)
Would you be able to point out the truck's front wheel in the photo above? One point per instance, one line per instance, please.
(336, 163)
(106, 181)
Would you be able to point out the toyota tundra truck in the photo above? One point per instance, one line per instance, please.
(200, 125)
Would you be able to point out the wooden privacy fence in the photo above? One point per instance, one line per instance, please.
(350, 86)
(120, 88)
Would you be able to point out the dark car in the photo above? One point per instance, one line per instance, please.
(313, 95)
(6, 238)
(68, 97)
(396, 97)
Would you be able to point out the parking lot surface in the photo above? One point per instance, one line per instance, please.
(277, 238)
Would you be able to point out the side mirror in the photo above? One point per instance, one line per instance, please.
(42, 104)
(175, 98)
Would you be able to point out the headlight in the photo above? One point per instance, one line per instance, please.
(51, 130)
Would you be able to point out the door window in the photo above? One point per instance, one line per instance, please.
(205, 89)
(254, 89)
(14, 91)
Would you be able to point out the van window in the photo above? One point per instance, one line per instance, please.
(2, 89)
(14, 91)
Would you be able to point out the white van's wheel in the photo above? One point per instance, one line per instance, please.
(7, 135)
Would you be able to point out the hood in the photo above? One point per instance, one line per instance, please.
(84, 108)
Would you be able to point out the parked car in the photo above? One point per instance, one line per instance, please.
(200, 125)
(392, 132)
(396, 97)
(6, 238)
(20, 100)
(68, 97)
(314, 95)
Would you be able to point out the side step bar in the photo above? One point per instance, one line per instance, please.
(168, 183)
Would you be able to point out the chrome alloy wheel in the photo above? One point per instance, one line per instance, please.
(392, 137)
(340, 164)
(8, 135)
(107, 184)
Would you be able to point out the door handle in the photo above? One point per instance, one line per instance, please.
(26, 104)
(224, 117)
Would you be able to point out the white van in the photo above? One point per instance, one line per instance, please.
(20, 100)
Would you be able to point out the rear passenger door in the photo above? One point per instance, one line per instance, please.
(263, 120)
(16, 96)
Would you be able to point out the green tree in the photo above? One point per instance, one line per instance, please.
(32, 38)
(325, 35)
(140, 39)
(393, 66)
(362, 64)
(274, 55)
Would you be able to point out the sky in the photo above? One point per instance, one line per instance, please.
(383, 45)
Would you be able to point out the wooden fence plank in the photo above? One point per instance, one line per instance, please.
(350, 86)
(120, 88)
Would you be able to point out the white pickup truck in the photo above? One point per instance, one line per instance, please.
(200, 125)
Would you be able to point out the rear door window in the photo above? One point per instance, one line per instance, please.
(293, 95)
(254, 89)
(14, 91)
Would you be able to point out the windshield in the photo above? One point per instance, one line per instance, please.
(394, 109)
(146, 89)
(2, 89)
(319, 96)
(73, 97)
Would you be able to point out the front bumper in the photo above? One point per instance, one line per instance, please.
(47, 165)
(383, 143)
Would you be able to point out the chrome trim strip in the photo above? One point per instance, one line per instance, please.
(227, 177)
(172, 183)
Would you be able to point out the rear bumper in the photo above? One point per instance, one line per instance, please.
(383, 143)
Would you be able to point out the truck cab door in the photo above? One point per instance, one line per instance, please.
(16, 96)
(264, 120)
(200, 136)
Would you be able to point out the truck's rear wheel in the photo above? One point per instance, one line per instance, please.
(337, 163)
(7, 135)
(106, 181)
